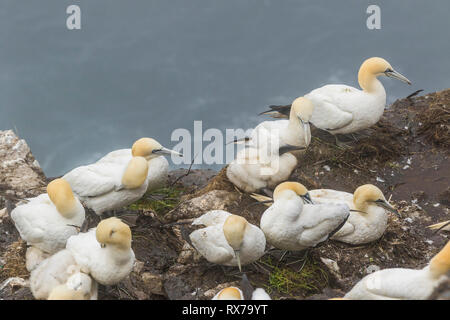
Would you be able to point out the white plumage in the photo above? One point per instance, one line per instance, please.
(401, 283)
(289, 224)
(212, 243)
(365, 225)
(158, 167)
(341, 109)
(42, 225)
(255, 169)
(100, 185)
(107, 265)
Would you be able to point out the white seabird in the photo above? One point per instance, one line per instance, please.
(227, 239)
(341, 109)
(105, 186)
(48, 220)
(290, 224)
(153, 152)
(368, 211)
(402, 283)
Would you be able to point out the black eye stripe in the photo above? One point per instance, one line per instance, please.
(389, 70)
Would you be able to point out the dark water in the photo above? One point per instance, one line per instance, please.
(145, 67)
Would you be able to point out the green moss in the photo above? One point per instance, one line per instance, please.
(310, 279)
(159, 201)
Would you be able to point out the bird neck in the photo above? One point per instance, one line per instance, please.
(370, 83)
(440, 264)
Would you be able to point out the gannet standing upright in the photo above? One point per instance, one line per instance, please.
(341, 109)
(289, 224)
(401, 283)
(153, 152)
(105, 186)
(48, 220)
(228, 239)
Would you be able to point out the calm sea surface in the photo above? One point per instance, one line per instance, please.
(146, 67)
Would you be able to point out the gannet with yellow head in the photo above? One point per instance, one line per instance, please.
(368, 211)
(105, 186)
(401, 283)
(48, 220)
(341, 109)
(291, 224)
(104, 252)
(368, 216)
(153, 152)
(228, 239)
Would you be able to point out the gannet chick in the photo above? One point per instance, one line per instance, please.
(78, 287)
(153, 152)
(401, 283)
(228, 239)
(48, 220)
(341, 109)
(368, 216)
(104, 252)
(105, 186)
(289, 224)
(294, 132)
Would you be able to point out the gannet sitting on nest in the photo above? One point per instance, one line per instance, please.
(153, 152)
(227, 239)
(368, 212)
(104, 253)
(341, 109)
(105, 186)
(401, 283)
(48, 220)
(290, 224)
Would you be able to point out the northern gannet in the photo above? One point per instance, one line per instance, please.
(48, 220)
(368, 212)
(294, 132)
(291, 224)
(401, 283)
(105, 186)
(151, 150)
(341, 109)
(228, 239)
(104, 252)
(262, 168)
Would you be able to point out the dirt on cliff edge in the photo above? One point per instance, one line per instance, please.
(405, 154)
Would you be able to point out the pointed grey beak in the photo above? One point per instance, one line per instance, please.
(396, 75)
(307, 198)
(238, 259)
(387, 206)
(306, 129)
(165, 151)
